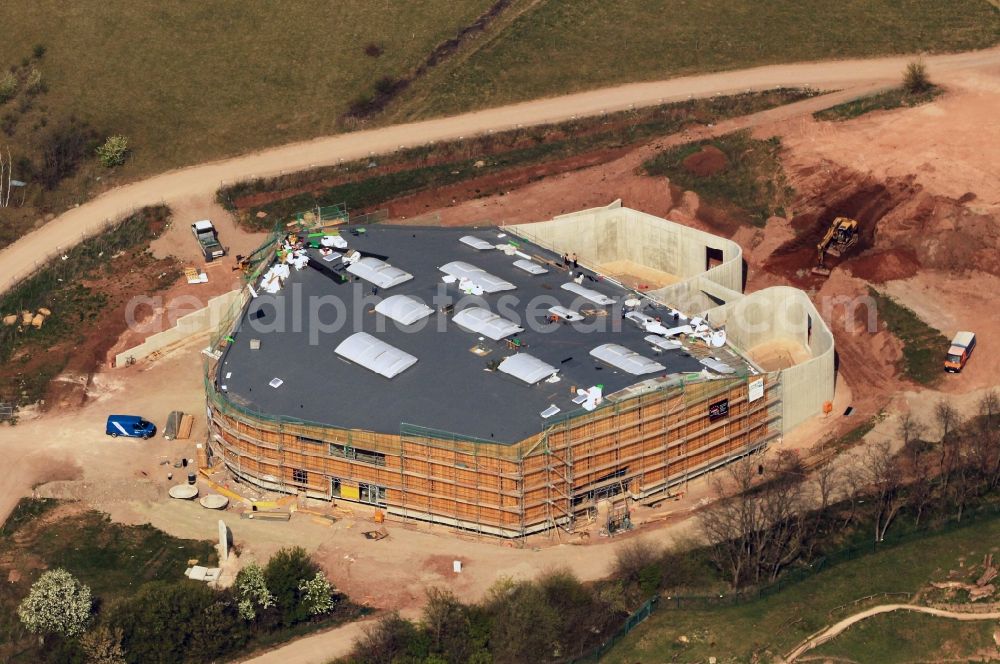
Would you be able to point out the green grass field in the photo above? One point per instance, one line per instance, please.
(194, 81)
(772, 626)
(560, 47)
(909, 637)
(190, 81)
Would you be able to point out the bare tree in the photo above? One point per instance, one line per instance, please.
(917, 464)
(909, 428)
(729, 522)
(989, 408)
(885, 481)
(758, 528)
(855, 484)
(948, 420)
(986, 450)
(968, 478)
(827, 481)
(784, 515)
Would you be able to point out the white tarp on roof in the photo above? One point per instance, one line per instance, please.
(588, 293)
(717, 366)
(379, 272)
(475, 242)
(403, 309)
(565, 313)
(526, 367)
(626, 359)
(488, 282)
(374, 354)
(529, 266)
(485, 322)
(660, 342)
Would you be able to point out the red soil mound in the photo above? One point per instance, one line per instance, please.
(882, 266)
(708, 161)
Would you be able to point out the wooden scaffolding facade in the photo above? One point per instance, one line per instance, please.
(636, 445)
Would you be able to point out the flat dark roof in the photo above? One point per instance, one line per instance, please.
(449, 388)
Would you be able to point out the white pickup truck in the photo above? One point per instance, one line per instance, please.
(208, 239)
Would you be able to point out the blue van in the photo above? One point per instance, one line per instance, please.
(131, 426)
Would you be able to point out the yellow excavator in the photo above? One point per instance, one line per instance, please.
(839, 238)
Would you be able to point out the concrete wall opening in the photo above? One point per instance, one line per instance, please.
(713, 257)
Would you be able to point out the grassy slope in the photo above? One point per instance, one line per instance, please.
(566, 46)
(780, 621)
(910, 637)
(924, 347)
(190, 81)
(456, 161)
(753, 181)
(895, 98)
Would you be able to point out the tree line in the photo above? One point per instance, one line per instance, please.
(777, 514)
(773, 516)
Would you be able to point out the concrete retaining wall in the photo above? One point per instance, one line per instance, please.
(783, 312)
(605, 234)
(602, 235)
(695, 296)
(204, 320)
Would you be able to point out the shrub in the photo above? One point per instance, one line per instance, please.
(178, 622)
(284, 574)
(8, 87)
(915, 79)
(8, 123)
(457, 632)
(385, 642)
(317, 594)
(632, 558)
(57, 604)
(38, 51)
(523, 623)
(387, 85)
(650, 578)
(113, 152)
(103, 646)
(62, 150)
(373, 50)
(33, 82)
(252, 592)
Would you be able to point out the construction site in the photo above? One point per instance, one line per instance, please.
(505, 440)
(623, 366)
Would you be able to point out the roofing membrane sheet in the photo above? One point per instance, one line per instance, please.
(488, 282)
(588, 293)
(531, 267)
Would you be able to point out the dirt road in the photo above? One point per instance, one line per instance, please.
(201, 182)
(316, 648)
(839, 627)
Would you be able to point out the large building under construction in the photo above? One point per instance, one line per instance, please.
(506, 380)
